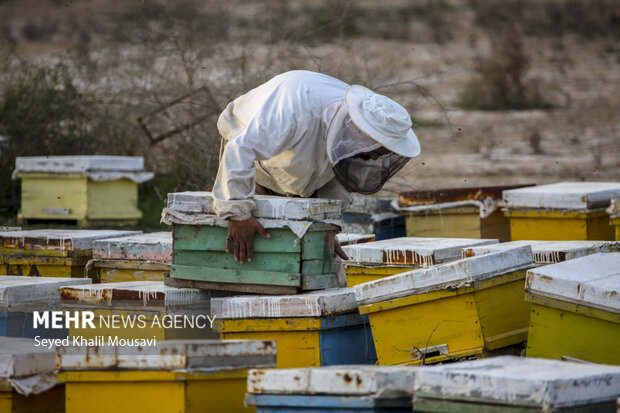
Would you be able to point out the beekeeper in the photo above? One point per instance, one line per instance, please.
(309, 135)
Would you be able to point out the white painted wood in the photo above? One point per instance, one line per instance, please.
(351, 239)
(155, 246)
(81, 163)
(424, 251)
(310, 304)
(510, 380)
(58, 239)
(19, 293)
(563, 195)
(376, 381)
(592, 281)
(9, 229)
(371, 205)
(20, 357)
(453, 274)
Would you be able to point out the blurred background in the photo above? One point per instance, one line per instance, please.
(500, 91)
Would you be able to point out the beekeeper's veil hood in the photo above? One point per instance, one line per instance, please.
(366, 122)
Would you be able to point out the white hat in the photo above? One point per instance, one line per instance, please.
(383, 120)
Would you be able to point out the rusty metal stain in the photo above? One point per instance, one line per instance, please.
(468, 252)
(439, 196)
(408, 257)
(85, 295)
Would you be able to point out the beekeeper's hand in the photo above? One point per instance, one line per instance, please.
(241, 238)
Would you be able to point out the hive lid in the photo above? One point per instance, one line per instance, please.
(20, 357)
(411, 251)
(593, 281)
(133, 293)
(549, 252)
(371, 205)
(82, 163)
(310, 304)
(454, 274)
(156, 246)
(185, 355)
(563, 195)
(9, 229)
(57, 239)
(351, 239)
(510, 380)
(375, 381)
(19, 293)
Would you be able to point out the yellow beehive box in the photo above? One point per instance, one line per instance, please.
(374, 260)
(50, 252)
(465, 308)
(614, 216)
(27, 379)
(456, 212)
(142, 257)
(561, 211)
(576, 309)
(180, 376)
(84, 189)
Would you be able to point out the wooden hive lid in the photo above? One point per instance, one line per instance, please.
(375, 381)
(155, 246)
(351, 239)
(411, 250)
(563, 195)
(454, 274)
(310, 304)
(21, 357)
(57, 239)
(184, 355)
(592, 281)
(550, 252)
(81, 163)
(19, 293)
(10, 229)
(518, 381)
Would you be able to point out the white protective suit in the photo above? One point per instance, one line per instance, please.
(276, 136)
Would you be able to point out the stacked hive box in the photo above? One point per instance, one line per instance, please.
(86, 189)
(614, 216)
(298, 256)
(27, 379)
(512, 384)
(50, 252)
(311, 329)
(561, 211)
(151, 304)
(144, 257)
(369, 214)
(332, 389)
(184, 376)
(456, 212)
(375, 260)
(470, 307)
(21, 296)
(576, 309)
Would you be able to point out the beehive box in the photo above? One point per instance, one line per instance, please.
(20, 297)
(549, 252)
(614, 216)
(50, 252)
(352, 239)
(331, 389)
(143, 257)
(466, 308)
(184, 376)
(456, 213)
(89, 190)
(368, 214)
(152, 302)
(27, 379)
(514, 384)
(576, 309)
(314, 329)
(375, 260)
(562, 211)
(298, 256)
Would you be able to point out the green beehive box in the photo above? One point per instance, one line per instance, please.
(298, 256)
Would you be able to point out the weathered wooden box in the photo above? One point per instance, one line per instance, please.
(513, 384)
(332, 389)
(352, 239)
(614, 216)
(85, 189)
(27, 380)
(298, 256)
(369, 214)
(319, 328)
(140, 309)
(143, 257)
(50, 252)
(562, 211)
(456, 213)
(375, 260)
(21, 296)
(466, 308)
(576, 309)
(181, 376)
